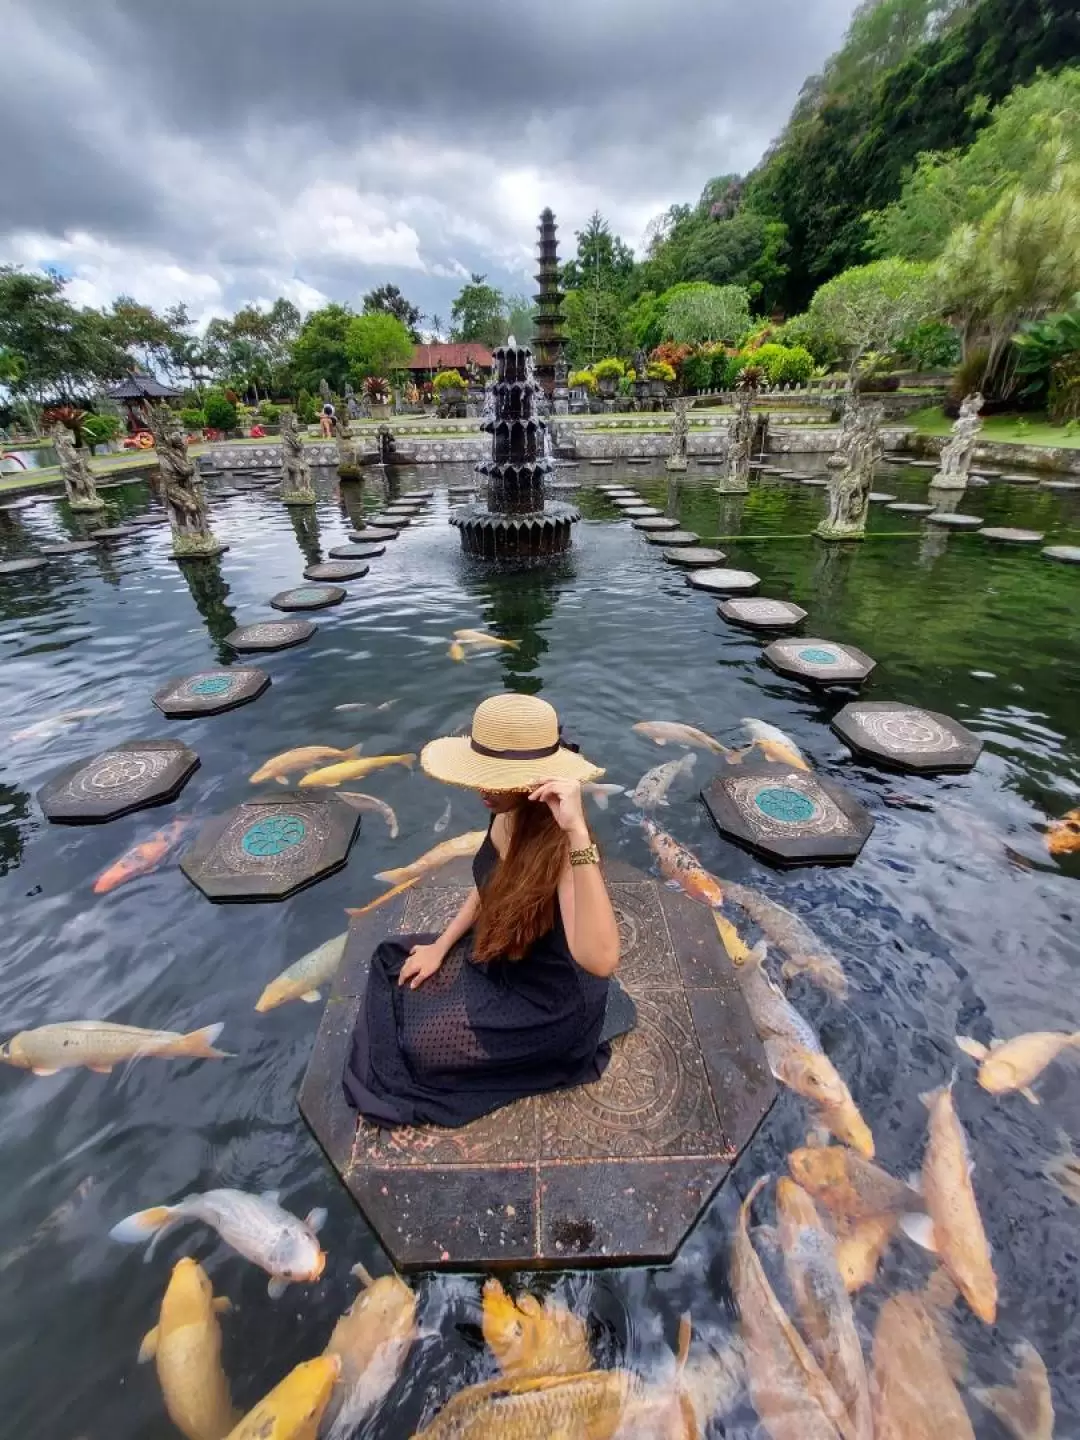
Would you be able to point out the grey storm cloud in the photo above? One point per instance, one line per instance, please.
(234, 149)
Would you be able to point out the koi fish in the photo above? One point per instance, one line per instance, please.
(601, 793)
(483, 641)
(100, 1044)
(682, 869)
(1062, 838)
(52, 724)
(142, 859)
(530, 1338)
(372, 1340)
(665, 732)
(360, 801)
(280, 767)
(382, 899)
(1015, 1064)
(653, 786)
(301, 980)
(293, 1409)
(915, 1396)
(354, 770)
(460, 847)
(1026, 1408)
(186, 1344)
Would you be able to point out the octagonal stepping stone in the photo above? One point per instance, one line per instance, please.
(1067, 554)
(356, 552)
(69, 547)
(114, 532)
(209, 692)
(671, 537)
(880, 497)
(1009, 535)
(337, 570)
(923, 464)
(788, 816)
(641, 512)
(954, 520)
(816, 482)
(23, 566)
(308, 597)
(819, 662)
(601, 462)
(419, 495)
(390, 522)
(758, 614)
(720, 581)
(1062, 485)
(372, 533)
(655, 523)
(695, 556)
(1020, 479)
(149, 519)
(271, 847)
(126, 777)
(904, 737)
(904, 507)
(270, 635)
(640, 460)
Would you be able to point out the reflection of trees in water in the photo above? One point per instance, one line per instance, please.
(305, 522)
(14, 812)
(516, 604)
(832, 570)
(206, 582)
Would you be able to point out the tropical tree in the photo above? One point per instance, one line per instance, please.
(389, 300)
(695, 314)
(478, 313)
(319, 352)
(871, 307)
(603, 260)
(377, 344)
(594, 324)
(1048, 359)
(54, 350)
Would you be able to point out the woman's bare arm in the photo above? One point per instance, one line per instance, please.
(592, 932)
(462, 922)
(425, 960)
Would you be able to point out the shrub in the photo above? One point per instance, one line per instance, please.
(220, 411)
(99, 429)
(306, 409)
(583, 380)
(670, 354)
(193, 419)
(377, 390)
(720, 364)
(760, 335)
(969, 375)
(270, 412)
(933, 345)
(1065, 391)
(609, 369)
(697, 371)
(448, 380)
(785, 365)
(661, 370)
(733, 368)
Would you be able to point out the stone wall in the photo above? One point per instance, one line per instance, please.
(1005, 457)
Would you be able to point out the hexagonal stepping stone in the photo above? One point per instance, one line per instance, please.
(126, 777)
(270, 635)
(815, 482)
(308, 597)
(819, 662)
(759, 614)
(904, 737)
(788, 816)
(1062, 485)
(1067, 554)
(720, 581)
(356, 552)
(271, 847)
(390, 522)
(337, 570)
(209, 692)
(372, 533)
(69, 547)
(610, 1173)
(641, 460)
(655, 522)
(1009, 535)
(905, 507)
(954, 520)
(695, 556)
(640, 512)
(672, 537)
(114, 532)
(23, 566)
(880, 497)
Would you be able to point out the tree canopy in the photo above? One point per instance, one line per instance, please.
(478, 313)
(390, 301)
(377, 344)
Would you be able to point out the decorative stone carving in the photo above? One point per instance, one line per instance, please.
(181, 489)
(346, 455)
(736, 477)
(677, 449)
(851, 483)
(957, 455)
(78, 482)
(295, 471)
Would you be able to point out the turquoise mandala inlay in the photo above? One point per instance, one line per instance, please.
(790, 807)
(813, 655)
(274, 835)
(212, 685)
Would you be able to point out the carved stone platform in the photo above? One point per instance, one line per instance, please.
(907, 738)
(23, 566)
(761, 614)
(356, 552)
(336, 570)
(672, 537)
(718, 580)
(611, 1173)
(655, 523)
(210, 691)
(270, 635)
(786, 815)
(308, 597)
(115, 782)
(819, 662)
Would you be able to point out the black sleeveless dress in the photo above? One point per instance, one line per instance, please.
(474, 1036)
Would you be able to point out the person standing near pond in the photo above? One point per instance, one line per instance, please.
(326, 421)
(510, 999)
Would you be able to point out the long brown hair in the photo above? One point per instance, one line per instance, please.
(517, 905)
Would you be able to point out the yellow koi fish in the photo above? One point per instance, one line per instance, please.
(354, 770)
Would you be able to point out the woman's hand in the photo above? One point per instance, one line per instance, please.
(563, 799)
(423, 962)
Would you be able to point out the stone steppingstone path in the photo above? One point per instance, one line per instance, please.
(270, 635)
(271, 847)
(720, 581)
(1066, 486)
(788, 816)
(124, 778)
(641, 512)
(694, 556)
(880, 497)
(903, 737)
(955, 521)
(762, 614)
(371, 533)
(819, 662)
(389, 522)
(114, 532)
(655, 522)
(1067, 554)
(356, 552)
(671, 537)
(337, 570)
(1020, 479)
(148, 519)
(1009, 535)
(23, 566)
(69, 547)
(308, 597)
(906, 507)
(210, 692)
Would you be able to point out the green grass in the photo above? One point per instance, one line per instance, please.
(1033, 429)
(102, 465)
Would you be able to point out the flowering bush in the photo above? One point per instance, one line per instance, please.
(609, 369)
(583, 380)
(670, 354)
(448, 380)
(661, 370)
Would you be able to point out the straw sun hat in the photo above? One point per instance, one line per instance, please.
(514, 745)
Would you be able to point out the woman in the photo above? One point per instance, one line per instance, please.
(327, 419)
(509, 1000)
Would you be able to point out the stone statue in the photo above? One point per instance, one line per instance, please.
(181, 489)
(295, 472)
(740, 441)
(851, 483)
(957, 455)
(560, 394)
(345, 455)
(848, 419)
(324, 392)
(78, 482)
(351, 407)
(677, 453)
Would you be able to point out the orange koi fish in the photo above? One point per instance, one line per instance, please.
(142, 859)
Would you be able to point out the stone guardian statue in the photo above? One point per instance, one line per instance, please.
(295, 472)
(677, 452)
(957, 455)
(78, 481)
(740, 441)
(850, 483)
(182, 490)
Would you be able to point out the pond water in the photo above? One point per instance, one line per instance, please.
(37, 457)
(954, 919)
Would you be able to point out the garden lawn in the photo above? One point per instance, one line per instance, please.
(1033, 429)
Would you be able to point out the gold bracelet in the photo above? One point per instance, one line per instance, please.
(589, 856)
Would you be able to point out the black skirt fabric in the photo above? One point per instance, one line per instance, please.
(474, 1036)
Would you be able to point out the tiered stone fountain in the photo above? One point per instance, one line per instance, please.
(516, 523)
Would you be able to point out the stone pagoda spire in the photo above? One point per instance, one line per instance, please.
(549, 343)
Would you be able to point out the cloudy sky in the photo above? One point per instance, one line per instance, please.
(225, 151)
